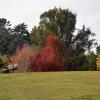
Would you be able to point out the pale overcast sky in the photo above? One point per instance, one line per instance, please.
(28, 11)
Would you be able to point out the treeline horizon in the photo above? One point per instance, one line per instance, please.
(53, 39)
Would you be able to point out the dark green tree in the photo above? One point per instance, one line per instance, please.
(91, 58)
(12, 39)
(78, 62)
(62, 22)
(98, 50)
(1, 64)
(5, 32)
(38, 37)
(22, 34)
(8, 40)
(84, 40)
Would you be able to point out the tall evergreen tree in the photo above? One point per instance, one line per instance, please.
(22, 34)
(5, 32)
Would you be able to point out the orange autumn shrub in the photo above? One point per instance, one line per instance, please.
(22, 57)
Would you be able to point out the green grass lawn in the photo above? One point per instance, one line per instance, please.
(50, 86)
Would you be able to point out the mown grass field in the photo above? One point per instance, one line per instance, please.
(50, 86)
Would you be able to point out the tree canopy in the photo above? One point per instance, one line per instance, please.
(55, 38)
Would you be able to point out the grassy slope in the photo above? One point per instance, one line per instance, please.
(50, 86)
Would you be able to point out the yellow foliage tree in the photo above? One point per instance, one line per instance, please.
(98, 62)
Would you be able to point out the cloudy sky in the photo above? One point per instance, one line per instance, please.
(28, 11)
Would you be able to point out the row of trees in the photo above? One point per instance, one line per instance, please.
(76, 42)
(55, 44)
(11, 39)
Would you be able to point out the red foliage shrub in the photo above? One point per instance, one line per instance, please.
(35, 62)
(50, 58)
(53, 60)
